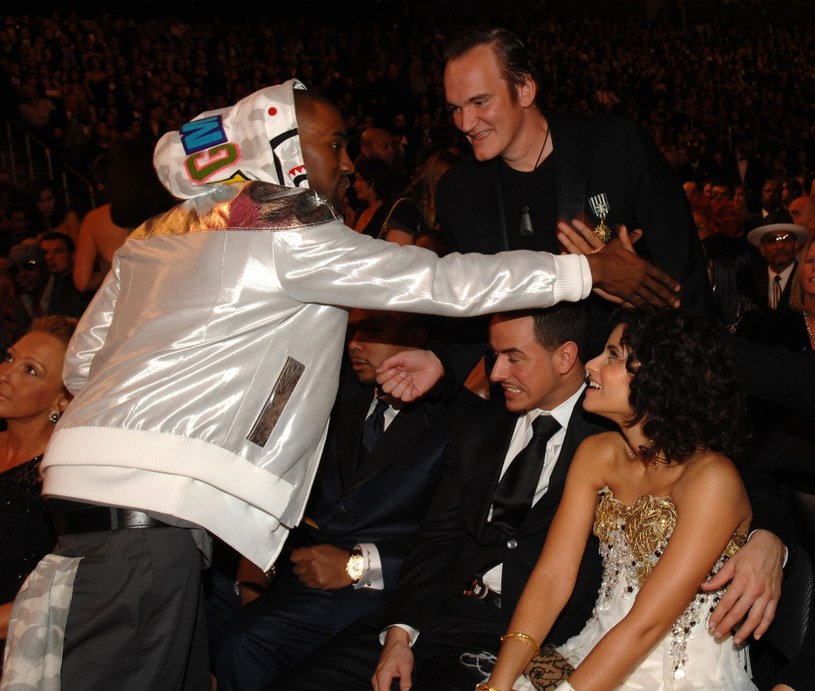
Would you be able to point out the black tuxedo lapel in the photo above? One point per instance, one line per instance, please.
(347, 420)
(484, 457)
(398, 437)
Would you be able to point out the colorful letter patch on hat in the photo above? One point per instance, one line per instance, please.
(256, 139)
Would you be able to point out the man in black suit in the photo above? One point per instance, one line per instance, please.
(362, 514)
(464, 575)
(531, 169)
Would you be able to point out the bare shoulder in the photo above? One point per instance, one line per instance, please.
(601, 450)
(707, 475)
(602, 443)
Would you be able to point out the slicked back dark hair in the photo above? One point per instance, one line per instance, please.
(515, 60)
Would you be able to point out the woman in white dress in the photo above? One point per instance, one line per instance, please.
(665, 500)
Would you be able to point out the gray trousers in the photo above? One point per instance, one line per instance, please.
(137, 619)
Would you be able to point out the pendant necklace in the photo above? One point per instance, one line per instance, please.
(526, 220)
(809, 329)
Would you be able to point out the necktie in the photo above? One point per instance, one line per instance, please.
(514, 493)
(372, 430)
(776, 291)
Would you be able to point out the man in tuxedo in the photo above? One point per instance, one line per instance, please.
(467, 568)
(363, 511)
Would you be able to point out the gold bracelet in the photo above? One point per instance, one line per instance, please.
(485, 687)
(524, 638)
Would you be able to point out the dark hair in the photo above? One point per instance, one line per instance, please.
(134, 189)
(554, 326)
(515, 61)
(380, 175)
(683, 386)
(732, 264)
(57, 235)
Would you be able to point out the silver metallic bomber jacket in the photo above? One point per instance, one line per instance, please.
(206, 366)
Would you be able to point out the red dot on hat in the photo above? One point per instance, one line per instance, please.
(272, 110)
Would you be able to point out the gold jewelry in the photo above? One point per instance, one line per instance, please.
(600, 207)
(355, 565)
(809, 328)
(524, 638)
(485, 687)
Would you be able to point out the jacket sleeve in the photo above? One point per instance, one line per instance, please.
(425, 579)
(332, 264)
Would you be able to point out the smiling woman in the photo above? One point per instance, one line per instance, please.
(32, 399)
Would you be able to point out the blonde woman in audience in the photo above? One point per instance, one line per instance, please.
(32, 399)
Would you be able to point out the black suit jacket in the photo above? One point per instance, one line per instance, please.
(456, 541)
(785, 443)
(385, 500)
(593, 155)
(763, 286)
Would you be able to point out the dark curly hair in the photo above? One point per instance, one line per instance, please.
(683, 385)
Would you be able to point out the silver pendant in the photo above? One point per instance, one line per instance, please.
(526, 222)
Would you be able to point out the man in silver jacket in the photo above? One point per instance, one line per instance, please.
(204, 372)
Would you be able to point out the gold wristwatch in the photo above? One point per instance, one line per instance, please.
(356, 565)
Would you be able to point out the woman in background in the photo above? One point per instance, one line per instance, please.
(414, 212)
(55, 212)
(32, 399)
(134, 194)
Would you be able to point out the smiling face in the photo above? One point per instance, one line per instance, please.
(530, 375)
(607, 393)
(31, 377)
(484, 106)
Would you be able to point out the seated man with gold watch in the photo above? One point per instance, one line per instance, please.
(379, 468)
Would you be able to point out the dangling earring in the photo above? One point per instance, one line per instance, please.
(54, 417)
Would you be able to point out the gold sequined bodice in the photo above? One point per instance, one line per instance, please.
(632, 540)
(643, 529)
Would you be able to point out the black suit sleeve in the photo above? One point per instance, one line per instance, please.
(777, 375)
(426, 577)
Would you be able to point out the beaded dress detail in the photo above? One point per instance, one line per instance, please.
(632, 540)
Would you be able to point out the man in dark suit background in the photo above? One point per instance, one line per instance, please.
(459, 548)
(778, 244)
(362, 513)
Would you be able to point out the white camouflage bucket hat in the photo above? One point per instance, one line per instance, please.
(256, 139)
